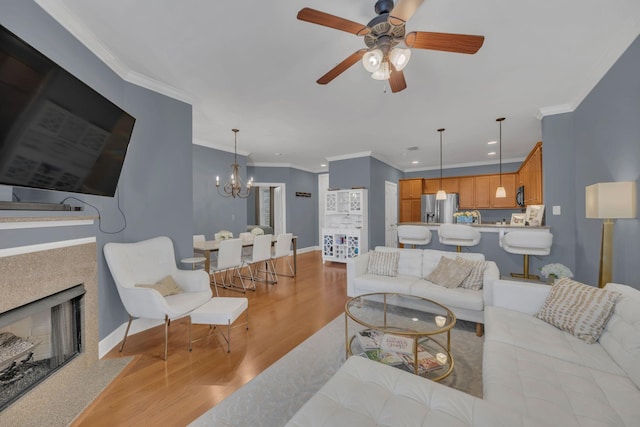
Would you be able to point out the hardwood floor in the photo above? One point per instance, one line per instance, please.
(151, 391)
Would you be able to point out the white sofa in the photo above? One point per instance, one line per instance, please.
(413, 266)
(533, 375)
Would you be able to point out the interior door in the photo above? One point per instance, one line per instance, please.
(323, 184)
(390, 214)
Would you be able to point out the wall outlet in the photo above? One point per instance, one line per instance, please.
(557, 210)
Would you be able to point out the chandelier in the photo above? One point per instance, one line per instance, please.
(235, 187)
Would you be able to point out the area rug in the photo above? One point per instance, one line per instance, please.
(276, 394)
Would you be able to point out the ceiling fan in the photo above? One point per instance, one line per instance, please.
(382, 35)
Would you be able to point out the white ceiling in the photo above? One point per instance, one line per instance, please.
(250, 64)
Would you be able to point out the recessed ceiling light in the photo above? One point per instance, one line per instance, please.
(278, 154)
(492, 142)
(492, 153)
(415, 162)
(413, 148)
(322, 165)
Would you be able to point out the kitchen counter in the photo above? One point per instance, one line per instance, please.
(501, 229)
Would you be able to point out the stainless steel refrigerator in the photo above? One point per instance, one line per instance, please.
(439, 211)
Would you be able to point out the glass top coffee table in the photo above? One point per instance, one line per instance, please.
(403, 331)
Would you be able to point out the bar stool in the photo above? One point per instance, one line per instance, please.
(458, 235)
(527, 243)
(414, 235)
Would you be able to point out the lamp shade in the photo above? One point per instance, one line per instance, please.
(441, 195)
(501, 193)
(383, 72)
(399, 57)
(372, 60)
(611, 200)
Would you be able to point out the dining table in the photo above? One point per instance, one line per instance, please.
(209, 246)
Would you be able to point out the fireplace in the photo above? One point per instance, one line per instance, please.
(37, 339)
(30, 274)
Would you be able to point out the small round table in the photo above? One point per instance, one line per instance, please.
(404, 319)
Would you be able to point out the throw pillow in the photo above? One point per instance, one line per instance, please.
(579, 309)
(383, 263)
(448, 273)
(475, 279)
(166, 286)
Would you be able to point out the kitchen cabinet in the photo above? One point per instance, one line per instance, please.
(483, 192)
(509, 184)
(449, 185)
(410, 200)
(467, 192)
(530, 176)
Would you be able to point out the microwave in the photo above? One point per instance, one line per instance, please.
(520, 196)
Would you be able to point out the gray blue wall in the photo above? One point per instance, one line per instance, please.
(598, 142)
(212, 212)
(155, 188)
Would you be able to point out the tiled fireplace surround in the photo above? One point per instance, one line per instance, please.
(36, 274)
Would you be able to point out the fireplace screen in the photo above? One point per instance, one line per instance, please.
(37, 339)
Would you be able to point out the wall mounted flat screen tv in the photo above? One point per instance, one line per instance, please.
(56, 133)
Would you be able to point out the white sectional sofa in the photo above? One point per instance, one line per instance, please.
(533, 375)
(413, 266)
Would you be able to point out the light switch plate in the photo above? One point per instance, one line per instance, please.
(557, 210)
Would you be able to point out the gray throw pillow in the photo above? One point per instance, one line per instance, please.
(475, 279)
(383, 263)
(448, 273)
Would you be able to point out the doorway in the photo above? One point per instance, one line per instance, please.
(323, 185)
(271, 205)
(390, 214)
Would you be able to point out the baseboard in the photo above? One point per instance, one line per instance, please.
(114, 338)
(307, 249)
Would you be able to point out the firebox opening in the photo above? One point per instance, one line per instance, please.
(37, 339)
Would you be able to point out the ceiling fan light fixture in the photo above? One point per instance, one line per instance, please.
(383, 73)
(399, 57)
(372, 60)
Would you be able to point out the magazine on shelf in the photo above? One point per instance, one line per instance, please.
(397, 343)
(386, 357)
(426, 362)
(369, 339)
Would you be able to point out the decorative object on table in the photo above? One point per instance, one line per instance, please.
(235, 186)
(466, 217)
(534, 215)
(223, 235)
(500, 191)
(555, 271)
(609, 201)
(441, 195)
(257, 231)
(517, 219)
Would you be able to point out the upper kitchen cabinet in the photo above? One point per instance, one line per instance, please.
(530, 176)
(449, 185)
(410, 200)
(509, 184)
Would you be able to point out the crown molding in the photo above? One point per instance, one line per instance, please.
(373, 154)
(215, 146)
(553, 110)
(73, 25)
(280, 165)
(467, 165)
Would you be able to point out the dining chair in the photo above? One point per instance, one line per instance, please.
(281, 250)
(138, 270)
(229, 259)
(198, 258)
(261, 252)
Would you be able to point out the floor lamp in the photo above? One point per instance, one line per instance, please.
(609, 201)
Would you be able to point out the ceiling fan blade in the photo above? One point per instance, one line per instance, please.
(332, 21)
(341, 67)
(460, 43)
(397, 82)
(403, 11)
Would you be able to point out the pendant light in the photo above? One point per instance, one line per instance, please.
(500, 191)
(441, 195)
(235, 186)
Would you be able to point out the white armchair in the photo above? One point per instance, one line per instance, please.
(147, 262)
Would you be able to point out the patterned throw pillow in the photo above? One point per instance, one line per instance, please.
(383, 263)
(166, 286)
(475, 279)
(448, 273)
(579, 309)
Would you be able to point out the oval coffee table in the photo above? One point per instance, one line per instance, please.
(400, 330)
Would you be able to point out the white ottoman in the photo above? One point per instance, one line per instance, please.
(220, 311)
